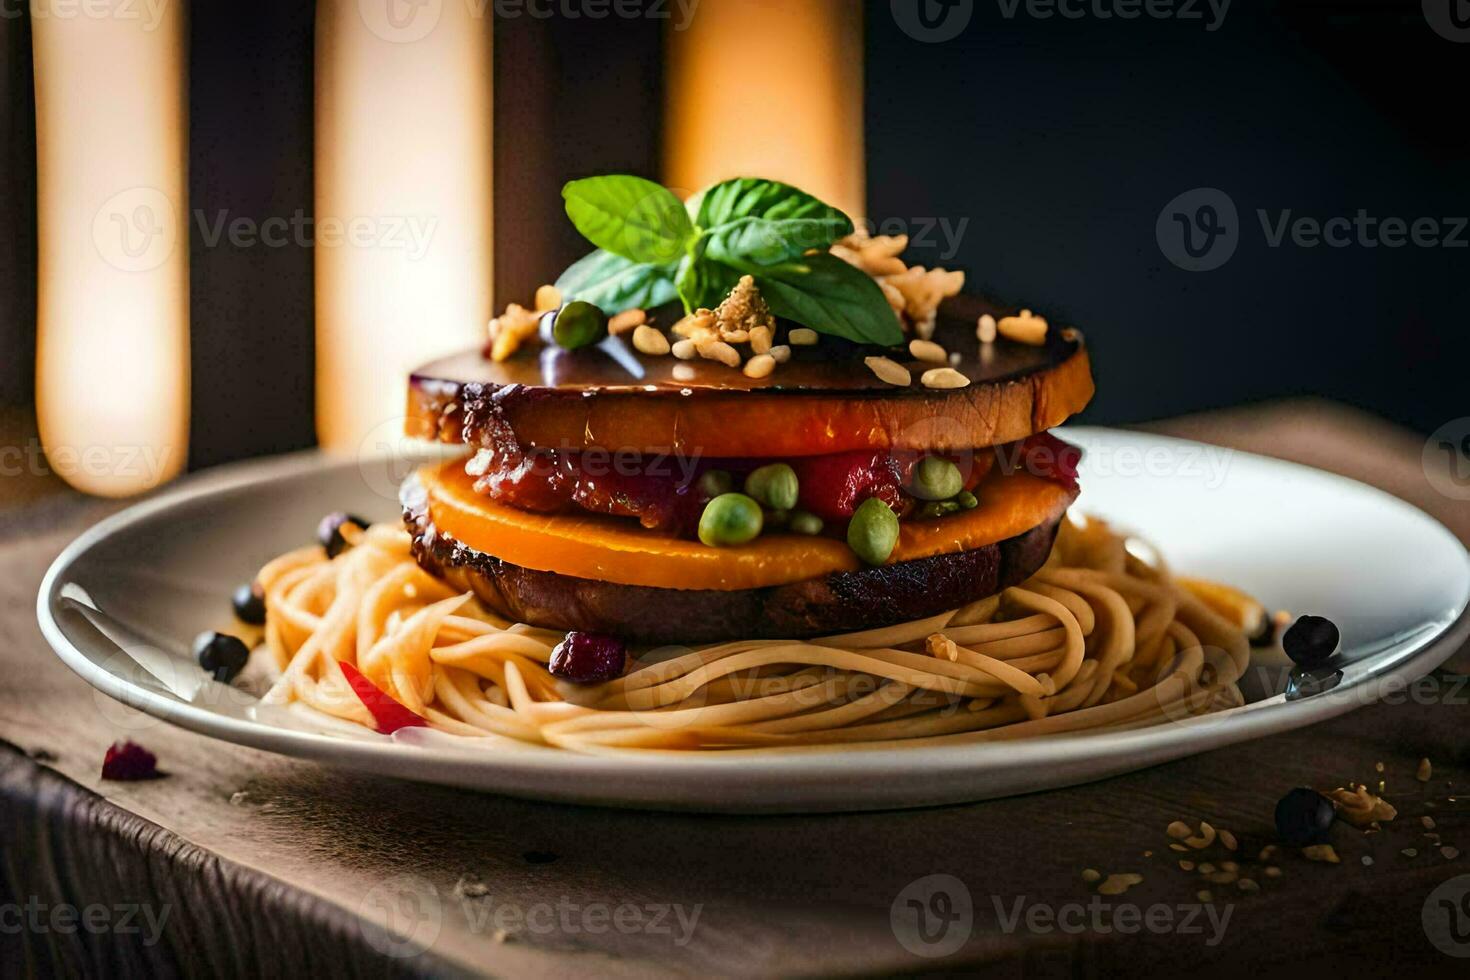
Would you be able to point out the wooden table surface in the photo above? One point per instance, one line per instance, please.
(241, 862)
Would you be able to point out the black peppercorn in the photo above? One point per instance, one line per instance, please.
(1310, 641)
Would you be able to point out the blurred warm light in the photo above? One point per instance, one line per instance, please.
(402, 156)
(112, 372)
(768, 88)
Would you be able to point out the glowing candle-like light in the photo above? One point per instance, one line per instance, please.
(112, 365)
(768, 88)
(403, 260)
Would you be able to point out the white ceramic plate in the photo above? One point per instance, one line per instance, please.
(121, 604)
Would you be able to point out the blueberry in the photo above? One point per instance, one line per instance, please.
(588, 658)
(329, 531)
(221, 654)
(249, 604)
(1303, 817)
(1310, 641)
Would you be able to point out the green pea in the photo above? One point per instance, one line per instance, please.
(967, 500)
(937, 479)
(774, 485)
(804, 523)
(730, 519)
(579, 324)
(716, 482)
(872, 533)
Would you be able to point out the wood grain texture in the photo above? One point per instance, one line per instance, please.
(308, 848)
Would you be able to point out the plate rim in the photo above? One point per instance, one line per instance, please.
(521, 772)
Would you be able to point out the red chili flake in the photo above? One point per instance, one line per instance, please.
(128, 760)
(388, 713)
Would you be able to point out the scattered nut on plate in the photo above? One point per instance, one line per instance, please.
(889, 370)
(945, 377)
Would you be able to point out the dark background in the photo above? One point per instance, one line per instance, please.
(1059, 140)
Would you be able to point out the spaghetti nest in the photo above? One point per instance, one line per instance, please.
(1098, 638)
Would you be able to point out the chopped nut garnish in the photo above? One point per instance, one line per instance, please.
(759, 366)
(760, 340)
(944, 377)
(1091, 874)
(548, 297)
(781, 353)
(1410, 852)
(650, 341)
(1178, 847)
(1024, 329)
(718, 350)
(1206, 868)
(1205, 839)
(802, 337)
(685, 350)
(1228, 839)
(742, 311)
(985, 329)
(1321, 852)
(1186, 865)
(1204, 895)
(1229, 866)
(1360, 807)
(914, 293)
(696, 325)
(928, 350)
(1428, 822)
(511, 329)
(888, 370)
(1247, 885)
(626, 321)
(942, 647)
(1268, 853)
(1118, 884)
(1273, 872)
(1222, 877)
(1179, 830)
(1425, 771)
(1449, 853)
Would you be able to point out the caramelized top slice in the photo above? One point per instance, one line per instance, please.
(824, 400)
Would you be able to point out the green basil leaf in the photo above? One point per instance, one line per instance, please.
(766, 222)
(704, 284)
(629, 216)
(615, 283)
(825, 293)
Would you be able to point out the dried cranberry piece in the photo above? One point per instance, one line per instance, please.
(128, 760)
(589, 658)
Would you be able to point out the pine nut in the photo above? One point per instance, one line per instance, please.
(781, 353)
(718, 350)
(760, 366)
(685, 350)
(650, 341)
(760, 340)
(548, 297)
(802, 337)
(625, 321)
(985, 329)
(927, 350)
(1024, 329)
(944, 377)
(889, 371)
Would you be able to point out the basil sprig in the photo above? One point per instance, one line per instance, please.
(652, 248)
